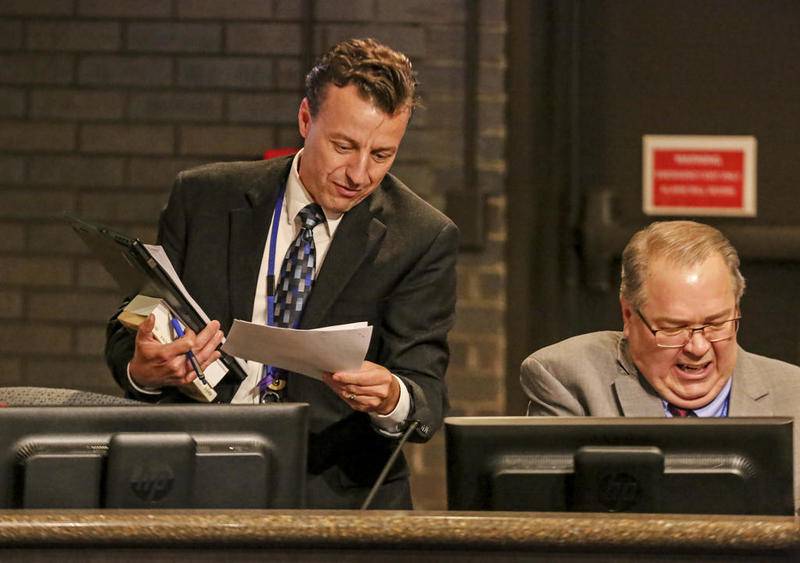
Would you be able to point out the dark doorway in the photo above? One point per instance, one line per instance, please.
(587, 79)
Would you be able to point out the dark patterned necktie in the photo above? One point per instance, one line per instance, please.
(297, 272)
(294, 288)
(678, 412)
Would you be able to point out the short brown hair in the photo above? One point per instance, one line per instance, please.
(680, 242)
(381, 74)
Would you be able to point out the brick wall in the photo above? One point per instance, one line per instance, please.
(102, 102)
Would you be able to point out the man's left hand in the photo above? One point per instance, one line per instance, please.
(372, 388)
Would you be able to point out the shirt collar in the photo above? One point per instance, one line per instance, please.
(719, 406)
(297, 197)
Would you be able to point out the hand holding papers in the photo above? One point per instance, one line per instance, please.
(309, 352)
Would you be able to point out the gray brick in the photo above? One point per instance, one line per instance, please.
(428, 11)
(72, 306)
(492, 47)
(450, 177)
(419, 178)
(353, 10)
(491, 181)
(263, 108)
(12, 169)
(433, 144)
(55, 238)
(125, 8)
(491, 80)
(127, 139)
(229, 141)
(36, 7)
(128, 207)
(10, 34)
(27, 136)
(73, 36)
(289, 75)
(10, 304)
(30, 204)
(408, 39)
(20, 338)
(491, 148)
(288, 136)
(288, 10)
(158, 172)
(10, 372)
(36, 271)
(36, 69)
(492, 285)
(493, 11)
(91, 340)
(12, 102)
(491, 114)
(125, 71)
(12, 236)
(271, 39)
(473, 387)
(77, 104)
(86, 375)
(444, 113)
(91, 274)
(229, 9)
(176, 106)
(175, 37)
(442, 78)
(76, 171)
(445, 41)
(228, 72)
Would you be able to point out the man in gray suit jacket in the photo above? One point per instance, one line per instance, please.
(383, 255)
(677, 354)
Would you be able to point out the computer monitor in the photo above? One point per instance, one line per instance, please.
(164, 456)
(585, 464)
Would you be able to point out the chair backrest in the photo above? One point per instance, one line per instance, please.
(41, 396)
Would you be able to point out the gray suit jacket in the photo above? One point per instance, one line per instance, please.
(392, 263)
(592, 375)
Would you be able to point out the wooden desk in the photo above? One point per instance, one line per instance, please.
(307, 535)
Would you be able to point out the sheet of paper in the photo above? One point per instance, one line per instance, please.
(310, 352)
(157, 251)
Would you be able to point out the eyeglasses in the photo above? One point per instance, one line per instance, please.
(680, 336)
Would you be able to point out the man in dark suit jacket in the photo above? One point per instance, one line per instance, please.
(390, 260)
(677, 354)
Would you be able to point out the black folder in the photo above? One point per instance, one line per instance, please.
(136, 271)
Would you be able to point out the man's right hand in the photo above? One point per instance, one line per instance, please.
(156, 365)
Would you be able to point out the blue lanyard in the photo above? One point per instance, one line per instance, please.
(276, 217)
(269, 373)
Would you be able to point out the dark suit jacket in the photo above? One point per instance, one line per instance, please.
(391, 263)
(593, 375)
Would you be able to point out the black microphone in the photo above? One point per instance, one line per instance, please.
(385, 471)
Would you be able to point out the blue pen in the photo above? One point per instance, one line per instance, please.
(176, 325)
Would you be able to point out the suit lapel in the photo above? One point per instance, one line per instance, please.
(358, 234)
(249, 228)
(634, 393)
(749, 393)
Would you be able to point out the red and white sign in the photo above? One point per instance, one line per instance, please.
(694, 175)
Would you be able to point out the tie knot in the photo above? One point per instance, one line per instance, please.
(679, 412)
(311, 216)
